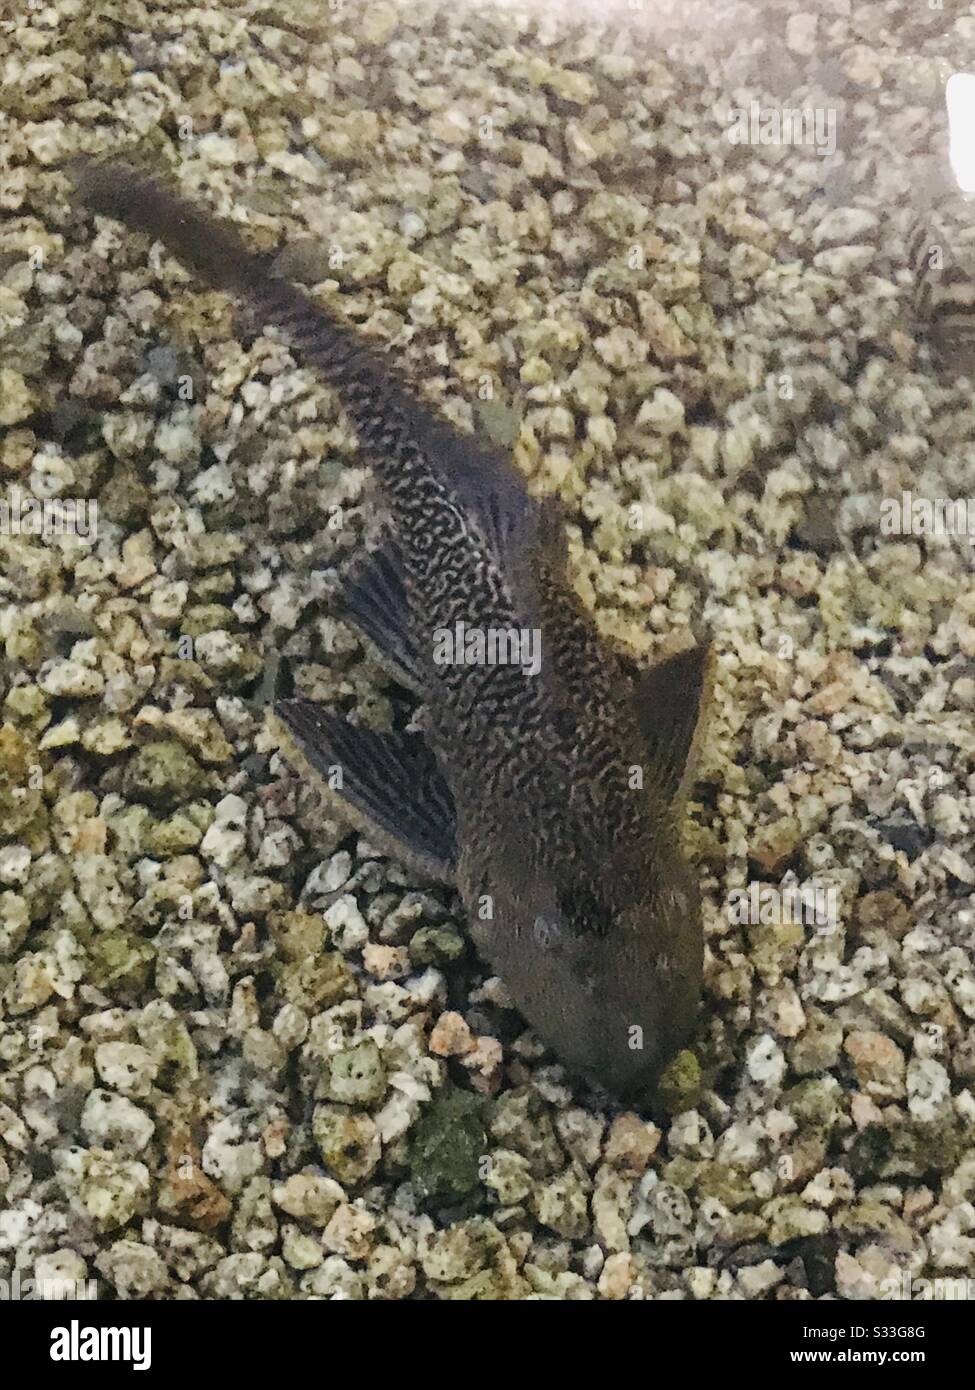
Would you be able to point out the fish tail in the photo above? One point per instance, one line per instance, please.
(379, 404)
(121, 191)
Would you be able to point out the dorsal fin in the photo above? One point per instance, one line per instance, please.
(670, 702)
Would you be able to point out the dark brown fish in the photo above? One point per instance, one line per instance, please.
(550, 779)
(941, 252)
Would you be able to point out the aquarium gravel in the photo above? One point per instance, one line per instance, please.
(242, 1055)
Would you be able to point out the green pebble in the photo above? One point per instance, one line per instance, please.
(207, 617)
(680, 1084)
(436, 946)
(448, 1144)
(356, 1075)
(178, 835)
(163, 775)
(120, 959)
(348, 1142)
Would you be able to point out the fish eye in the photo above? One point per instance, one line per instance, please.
(545, 932)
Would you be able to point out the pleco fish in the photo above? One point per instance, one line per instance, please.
(941, 253)
(550, 778)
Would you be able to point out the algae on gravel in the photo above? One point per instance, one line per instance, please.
(448, 1143)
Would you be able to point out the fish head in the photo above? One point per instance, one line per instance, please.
(608, 975)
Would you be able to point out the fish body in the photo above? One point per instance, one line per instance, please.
(548, 782)
(941, 254)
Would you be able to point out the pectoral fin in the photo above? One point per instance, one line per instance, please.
(373, 599)
(671, 702)
(390, 782)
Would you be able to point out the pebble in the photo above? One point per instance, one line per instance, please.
(723, 357)
(878, 1064)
